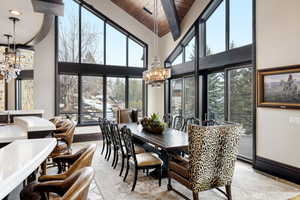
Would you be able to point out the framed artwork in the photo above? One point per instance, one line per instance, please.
(279, 88)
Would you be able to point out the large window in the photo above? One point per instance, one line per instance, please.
(68, 36)
(240, 23)
(68, 95)
(215, 96)
(91, 98)
(115, 47)
(25, 95)
(190, 50)
(115, 98)
(183, 97)
(240, 105)
(136, 95)
(92, 38)
(135, 54)
(100, 65)
(215, 31)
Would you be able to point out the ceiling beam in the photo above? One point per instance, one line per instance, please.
(172, 17)
(50, 7)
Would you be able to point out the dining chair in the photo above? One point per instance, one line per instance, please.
(178, 122)
(85, 160)
(142, 161)
(121, 147)
(104, 140)
(168, 119)
(74, 187)
(212, 154)
(190, 120)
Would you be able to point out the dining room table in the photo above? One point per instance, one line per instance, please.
(165, 143)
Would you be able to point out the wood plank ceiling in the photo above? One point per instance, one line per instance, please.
(142, 11)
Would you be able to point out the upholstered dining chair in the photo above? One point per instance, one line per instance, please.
(85, 160)
(212, 154)
(127, 116)
(144, 161)
(178, 122)
(74, 187)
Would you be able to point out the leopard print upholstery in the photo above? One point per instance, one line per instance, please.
(213, 151)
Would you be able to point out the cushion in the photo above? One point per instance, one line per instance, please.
(147, 159)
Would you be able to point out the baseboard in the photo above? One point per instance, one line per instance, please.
(87, 137)
(278, 169)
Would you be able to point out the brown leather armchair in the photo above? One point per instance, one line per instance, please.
(84, 160)
(64, 141)
(74, 187)
(212, 154)
(127, 116)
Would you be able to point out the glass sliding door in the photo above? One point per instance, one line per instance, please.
(240, 105)
(176, 96)
(115, 96)
(215, 96)
(91, 99)
(135, 95)
(189, 97)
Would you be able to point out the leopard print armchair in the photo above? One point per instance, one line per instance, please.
(213, 151)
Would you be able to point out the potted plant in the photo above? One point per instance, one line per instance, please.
(153, 124)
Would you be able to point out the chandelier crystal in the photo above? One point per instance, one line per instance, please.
(156, 74)
(10, 66)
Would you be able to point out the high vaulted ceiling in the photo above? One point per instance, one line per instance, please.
(29, 24)
(139, 9)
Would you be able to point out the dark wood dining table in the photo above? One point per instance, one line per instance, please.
(169, 141)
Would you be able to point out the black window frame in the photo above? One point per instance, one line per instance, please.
(103, 70)
(204, 65)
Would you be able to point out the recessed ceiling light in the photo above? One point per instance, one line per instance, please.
(15, 12)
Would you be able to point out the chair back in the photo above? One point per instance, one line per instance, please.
(168, 118)
(85, 160)
(69, 134)
(190, 120)
(128, 141)
(78, 184)
(213, 151)
(124, 116)
(178, 122)
(115, 132)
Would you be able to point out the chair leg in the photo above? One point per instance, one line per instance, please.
(103, 144)
(122, 166)
(109, 152)
(117, 159)
(169, 183)
(114, 158)
(160, 175)
(228, 191)
(195, 196)
(106, 154)
(127, 169)
(135, 178)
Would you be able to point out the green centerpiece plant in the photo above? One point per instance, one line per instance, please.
(153, 124)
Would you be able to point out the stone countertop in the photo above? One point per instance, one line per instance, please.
(22, 112)
(19, 159)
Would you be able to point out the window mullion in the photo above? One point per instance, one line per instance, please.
(227, 24)
(79, 27)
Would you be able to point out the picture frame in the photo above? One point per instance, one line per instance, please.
(279, 87)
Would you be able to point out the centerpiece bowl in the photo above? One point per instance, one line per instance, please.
(153, 124)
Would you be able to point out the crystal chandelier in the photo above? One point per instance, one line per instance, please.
(156, 74)
(10, 66)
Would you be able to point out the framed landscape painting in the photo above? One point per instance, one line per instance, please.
(279, 87)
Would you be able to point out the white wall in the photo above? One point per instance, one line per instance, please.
(278, 44)
(44, 74)
(11, 95)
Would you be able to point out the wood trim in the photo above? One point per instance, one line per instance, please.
(87, 137)
(278, 169)
(172, 17)
(260, 86)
